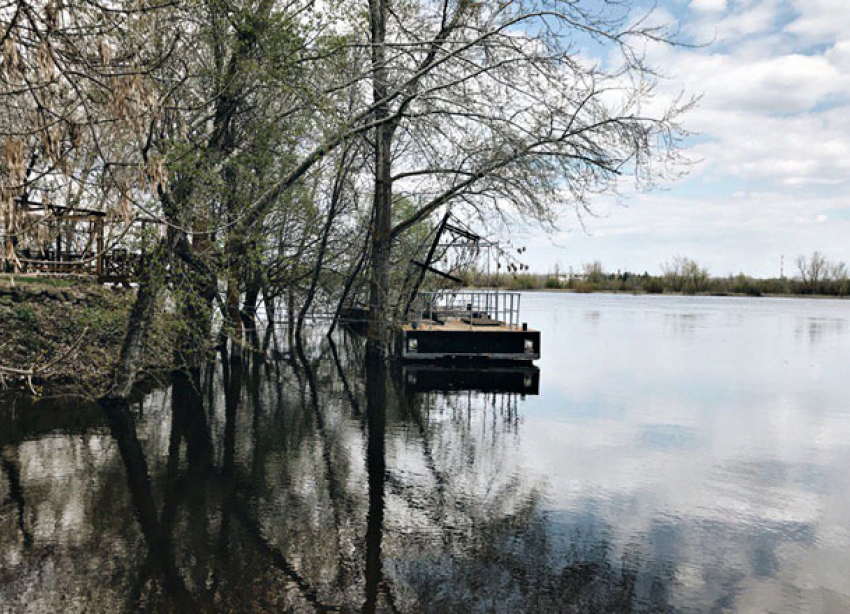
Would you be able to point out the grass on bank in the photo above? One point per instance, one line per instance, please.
(77, 325)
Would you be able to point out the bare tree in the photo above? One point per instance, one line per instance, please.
(818, 274)
(593, 271)
(490, 108)
(685, 275)
(813, 270)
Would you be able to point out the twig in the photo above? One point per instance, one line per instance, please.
(34, 370)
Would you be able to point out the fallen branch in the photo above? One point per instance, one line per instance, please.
(27, 374)
(34, 370)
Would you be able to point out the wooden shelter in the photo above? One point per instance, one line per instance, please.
(69, 241)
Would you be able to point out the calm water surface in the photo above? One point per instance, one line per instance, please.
(683, 454)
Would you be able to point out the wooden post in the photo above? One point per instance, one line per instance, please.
(10, 256)
(99, 225)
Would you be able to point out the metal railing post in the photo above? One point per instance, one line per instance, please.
(518, 299)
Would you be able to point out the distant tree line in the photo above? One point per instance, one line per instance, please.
(813, 275)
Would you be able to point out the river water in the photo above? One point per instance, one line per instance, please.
(671, 454)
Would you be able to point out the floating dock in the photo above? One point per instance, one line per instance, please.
(468, 325)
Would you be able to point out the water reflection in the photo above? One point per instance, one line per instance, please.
(263, 488)
(683, 323)
(330, 483)
(819, 329)
(501, 379)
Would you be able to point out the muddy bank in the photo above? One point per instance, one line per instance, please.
(67, 334)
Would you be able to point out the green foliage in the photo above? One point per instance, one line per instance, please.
(526, 281)
(53, 282)
(741, 284)
(25, 315)
(108, 320)
(88, 333)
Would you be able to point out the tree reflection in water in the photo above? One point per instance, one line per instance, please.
(318, 485)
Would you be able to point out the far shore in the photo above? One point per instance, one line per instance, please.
(670, 294)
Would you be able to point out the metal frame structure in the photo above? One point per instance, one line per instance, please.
(461, 239)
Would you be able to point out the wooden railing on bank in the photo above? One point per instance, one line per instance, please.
(116, 266)
(76, 250)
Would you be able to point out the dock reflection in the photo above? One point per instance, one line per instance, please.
(451, 377)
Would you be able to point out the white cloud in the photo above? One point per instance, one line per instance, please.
(839, 55)
(773, 131)
(819, 21)
(766, 115)
(812, 149)
(785, 84)
(708, 6)
(746, 18)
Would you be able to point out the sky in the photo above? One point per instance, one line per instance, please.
(770, 151)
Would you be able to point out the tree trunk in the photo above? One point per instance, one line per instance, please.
(234, 316)
(349, 282)
(339, 182)
(196, 312)
(151, 282)
(377, 336)
(252, 294)
(290, 317)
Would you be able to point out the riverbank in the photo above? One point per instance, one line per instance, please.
(67, 333)
(629, 283)
(680, 294)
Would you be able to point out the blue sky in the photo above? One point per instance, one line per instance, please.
(773, 151)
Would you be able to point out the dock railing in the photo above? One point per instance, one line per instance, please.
(467, 305)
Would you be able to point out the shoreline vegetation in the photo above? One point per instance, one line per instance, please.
(815, 277)
(66, 333)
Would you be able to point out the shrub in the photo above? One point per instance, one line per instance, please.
(653, 285)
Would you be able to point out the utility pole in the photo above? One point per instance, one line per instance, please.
(782, 266)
